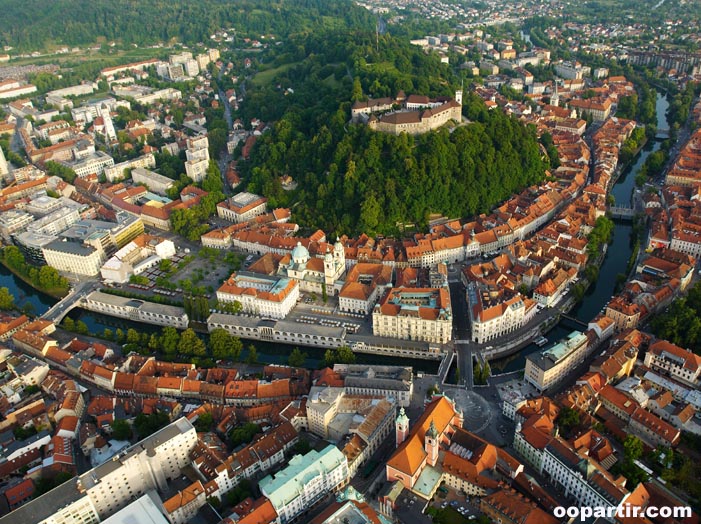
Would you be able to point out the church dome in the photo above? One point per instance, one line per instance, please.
(300, 254)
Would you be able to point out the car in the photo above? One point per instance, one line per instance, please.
(443, 506)
(454, 504)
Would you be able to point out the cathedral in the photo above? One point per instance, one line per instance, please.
(313, 274)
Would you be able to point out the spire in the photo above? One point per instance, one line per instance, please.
(432, 431)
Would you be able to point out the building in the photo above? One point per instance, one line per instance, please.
(547, 368)
(72, 257)
(13, 221)
(157, 183)
(138, 310)
(506, 506)
(388, 381)
(494, 313)
(197, 154)
(119, 171)
(261, 295)
(242, 207)
(364, 284)
(94, 162)
(679, 363)
(422, 314)
(314, 274)
(101, 492)
(419, 448)
(305, 481)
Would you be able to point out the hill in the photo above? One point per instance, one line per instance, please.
(36, 24)
(352, 179)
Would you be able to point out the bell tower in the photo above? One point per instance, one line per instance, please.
(401, 427)
(431, 444)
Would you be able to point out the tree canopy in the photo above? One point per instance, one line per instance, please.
(34, 24)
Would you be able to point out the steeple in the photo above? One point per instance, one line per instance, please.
(401, 427)
(431, 444)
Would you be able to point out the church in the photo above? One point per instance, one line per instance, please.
(314, 274)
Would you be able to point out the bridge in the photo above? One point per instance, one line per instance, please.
(70, 301)
(662, 134)
(573, 320)
(622, 213)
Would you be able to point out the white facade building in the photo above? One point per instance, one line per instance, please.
(138, 310)
(72, 257)
(305, 481)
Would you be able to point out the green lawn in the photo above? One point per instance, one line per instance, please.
(265, 77)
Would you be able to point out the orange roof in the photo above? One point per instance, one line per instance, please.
(263, 513)
(410, 454)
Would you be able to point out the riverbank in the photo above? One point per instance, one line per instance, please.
(57, 294)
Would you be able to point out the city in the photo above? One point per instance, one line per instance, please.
(350, 262)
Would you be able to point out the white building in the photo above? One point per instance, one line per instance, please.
(493, 314)
(242, 207)
(156, 183)
(4, 166)
(117, 171)
(74, 258)
(422, 314)
(547, 368)
(113, 485)
(197, 154)
(386, 381)
(139, 310)
(93, 163)
(305, 481)
(672, 360)
(261, 295)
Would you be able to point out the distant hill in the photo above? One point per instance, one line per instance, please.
(36, 24)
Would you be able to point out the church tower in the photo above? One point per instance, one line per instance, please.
(431, 445)
(555, 98)
(458, 96)
(401, 427)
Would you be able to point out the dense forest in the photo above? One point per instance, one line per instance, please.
(34, 24)
(681, 323)
(352, 179)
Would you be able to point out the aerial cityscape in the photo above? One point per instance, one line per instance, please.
(350, 262)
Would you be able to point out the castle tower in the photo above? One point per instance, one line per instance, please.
(431, 444)
(401, 426)
(458, 96)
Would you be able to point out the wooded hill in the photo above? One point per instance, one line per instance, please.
(34, 24)
(351, 179)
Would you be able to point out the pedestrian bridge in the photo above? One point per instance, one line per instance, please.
(622, 213)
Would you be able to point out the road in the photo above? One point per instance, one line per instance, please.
(80, 291)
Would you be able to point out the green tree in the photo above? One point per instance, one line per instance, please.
(119, 336)
(252, 357)
(107, 334)
(191, 344)
(7, 301)
(170, 339)
(68, 324)
(133, 336)
(297, 358)
(81, 328)
(121, 430)
(633, 447)
(223, 345)
(204, 422)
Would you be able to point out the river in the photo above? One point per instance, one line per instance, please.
(268, 352)
(615, 263)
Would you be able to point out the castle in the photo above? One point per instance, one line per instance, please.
(416, 114)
